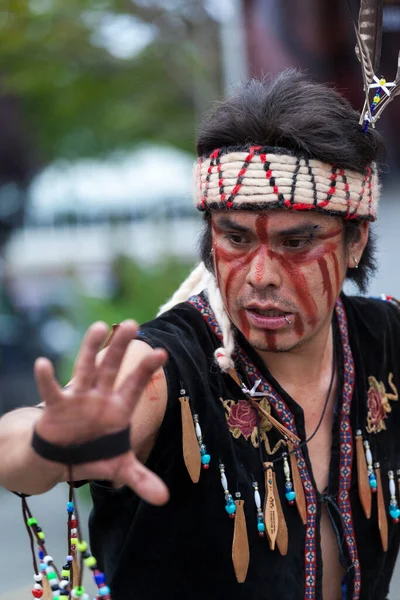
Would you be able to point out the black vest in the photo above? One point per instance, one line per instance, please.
(183, 551)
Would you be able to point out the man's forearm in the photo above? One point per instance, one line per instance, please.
(21, 469)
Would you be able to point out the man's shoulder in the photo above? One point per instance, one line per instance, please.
(182, 327)
(374, 314)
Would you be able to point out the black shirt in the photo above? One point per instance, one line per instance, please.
(184, 549)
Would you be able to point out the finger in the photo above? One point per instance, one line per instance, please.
(85, 365)
(49, 389)
(143, 482)
(135, 383)
(108, 370)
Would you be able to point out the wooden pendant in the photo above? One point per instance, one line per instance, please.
(270, 508)
(282, 538)
(76, 569)
(297, 485)
(47, 592)
(240, 546)
(364, 489)
(191, 451)
(382, 517)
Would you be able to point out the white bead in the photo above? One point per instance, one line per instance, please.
(37, 586)
(48, 559)
(392, 487)
(224, 481)
(286, 469)
(198, 431)
(257, 498)
(38, 577)
(63, 584)
(85, 596)
(74, 530)
(50, 569)
(368, 456)
(56, 593)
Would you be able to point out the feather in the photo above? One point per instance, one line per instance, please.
(363, 56)
(370, 29)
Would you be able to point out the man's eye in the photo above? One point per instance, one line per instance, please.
(296, 243)
(236, 239)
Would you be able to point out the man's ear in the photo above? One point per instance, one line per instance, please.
(357, 245)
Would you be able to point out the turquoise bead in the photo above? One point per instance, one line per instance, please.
(103, 591)
(260, 526)
(373, 484)
(230, 508)
(291, 496)
(205, 459)
(395, 513)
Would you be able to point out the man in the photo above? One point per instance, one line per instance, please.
(285, 375)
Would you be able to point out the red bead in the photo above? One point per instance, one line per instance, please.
(232, 516)
(261, 533)
(206, 467)
(74, 535)
(73, 523)
(396, 520)
(291, 502)
(73, 548)
(374, 490)
(37, 593)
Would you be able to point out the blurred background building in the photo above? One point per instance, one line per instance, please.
(99, 102)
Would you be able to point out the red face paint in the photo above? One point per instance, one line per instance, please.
(326, 279)
(299, 276)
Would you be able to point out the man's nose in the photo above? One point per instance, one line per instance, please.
(264, 270)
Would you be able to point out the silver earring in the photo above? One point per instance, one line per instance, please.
(356, 265)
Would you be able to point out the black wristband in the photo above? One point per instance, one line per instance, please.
(102, 448)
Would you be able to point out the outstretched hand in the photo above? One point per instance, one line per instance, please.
(92, 406)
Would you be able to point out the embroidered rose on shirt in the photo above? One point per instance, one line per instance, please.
(241, 419)
(378, 403)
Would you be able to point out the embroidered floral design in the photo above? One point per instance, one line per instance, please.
(241, 418)
(378, 403)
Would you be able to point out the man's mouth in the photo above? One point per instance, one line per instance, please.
(269, 312)
(269, 318)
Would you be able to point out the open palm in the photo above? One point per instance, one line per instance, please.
(92, 407)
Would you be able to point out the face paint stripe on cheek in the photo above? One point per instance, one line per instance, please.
(302, 290)
(337, 272)
(326, 279)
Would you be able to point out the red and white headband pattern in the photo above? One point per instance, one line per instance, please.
(259, 178)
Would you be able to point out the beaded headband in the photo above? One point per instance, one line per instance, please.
(262, 177)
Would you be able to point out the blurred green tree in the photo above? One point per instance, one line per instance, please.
(94, 75)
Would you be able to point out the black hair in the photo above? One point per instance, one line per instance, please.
(297, 114)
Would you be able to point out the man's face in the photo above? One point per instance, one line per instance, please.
(279, 273)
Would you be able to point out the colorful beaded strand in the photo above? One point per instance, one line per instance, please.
(370, 468)
(47, 565)
(205, 458)
(37, 589)
(394, 510)
(289, 492)
(230, 505)
(89, 560)
(260, 515)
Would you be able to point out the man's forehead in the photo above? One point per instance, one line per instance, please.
(275, 220)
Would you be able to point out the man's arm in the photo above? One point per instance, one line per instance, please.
(126, 386)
